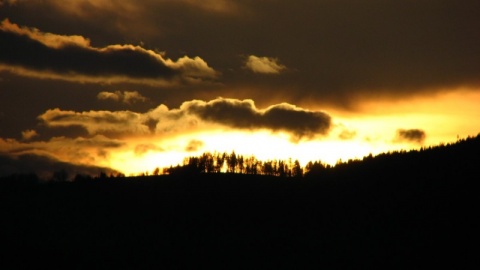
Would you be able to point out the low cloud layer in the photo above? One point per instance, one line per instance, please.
(75, 156)
(102, 134)
(411, 135)
(30, 52)
(231, 113)
(45, 167)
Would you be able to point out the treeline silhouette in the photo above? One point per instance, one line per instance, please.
(455, 158)
(398, 210)
(444, 160)
(234, 163)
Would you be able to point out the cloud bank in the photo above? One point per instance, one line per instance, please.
(196, 114)
(30, 52)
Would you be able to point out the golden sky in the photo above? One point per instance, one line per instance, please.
(133, 85)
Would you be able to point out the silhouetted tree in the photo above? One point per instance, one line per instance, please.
(281, 168)
(314, 169)
(240, 164)
(297, 170)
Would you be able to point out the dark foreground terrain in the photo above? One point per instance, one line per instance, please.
(408, 211)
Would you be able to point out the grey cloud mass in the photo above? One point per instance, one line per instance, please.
(244, 115)
(341, 51)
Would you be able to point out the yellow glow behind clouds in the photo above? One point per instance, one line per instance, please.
(372, 131)
(263, 145)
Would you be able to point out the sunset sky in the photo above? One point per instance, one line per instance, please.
(132, 85)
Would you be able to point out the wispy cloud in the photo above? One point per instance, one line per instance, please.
(141, 149)
(97, 122)
(29, 134)
(265, 65)
(127, 97)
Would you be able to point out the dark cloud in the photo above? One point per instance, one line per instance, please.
(244, 115)
(411, 135)
(45, 166)
(33, 53)
(335, 51)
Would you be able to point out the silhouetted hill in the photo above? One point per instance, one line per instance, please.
(44, 167)
(412, 209)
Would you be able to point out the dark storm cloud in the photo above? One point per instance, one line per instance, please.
(31, 52)
(335, 51)
(243, 114)
(411, 135)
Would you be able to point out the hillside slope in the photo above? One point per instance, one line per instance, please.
(412, 209)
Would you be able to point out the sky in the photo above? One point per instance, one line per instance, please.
(131, 85)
